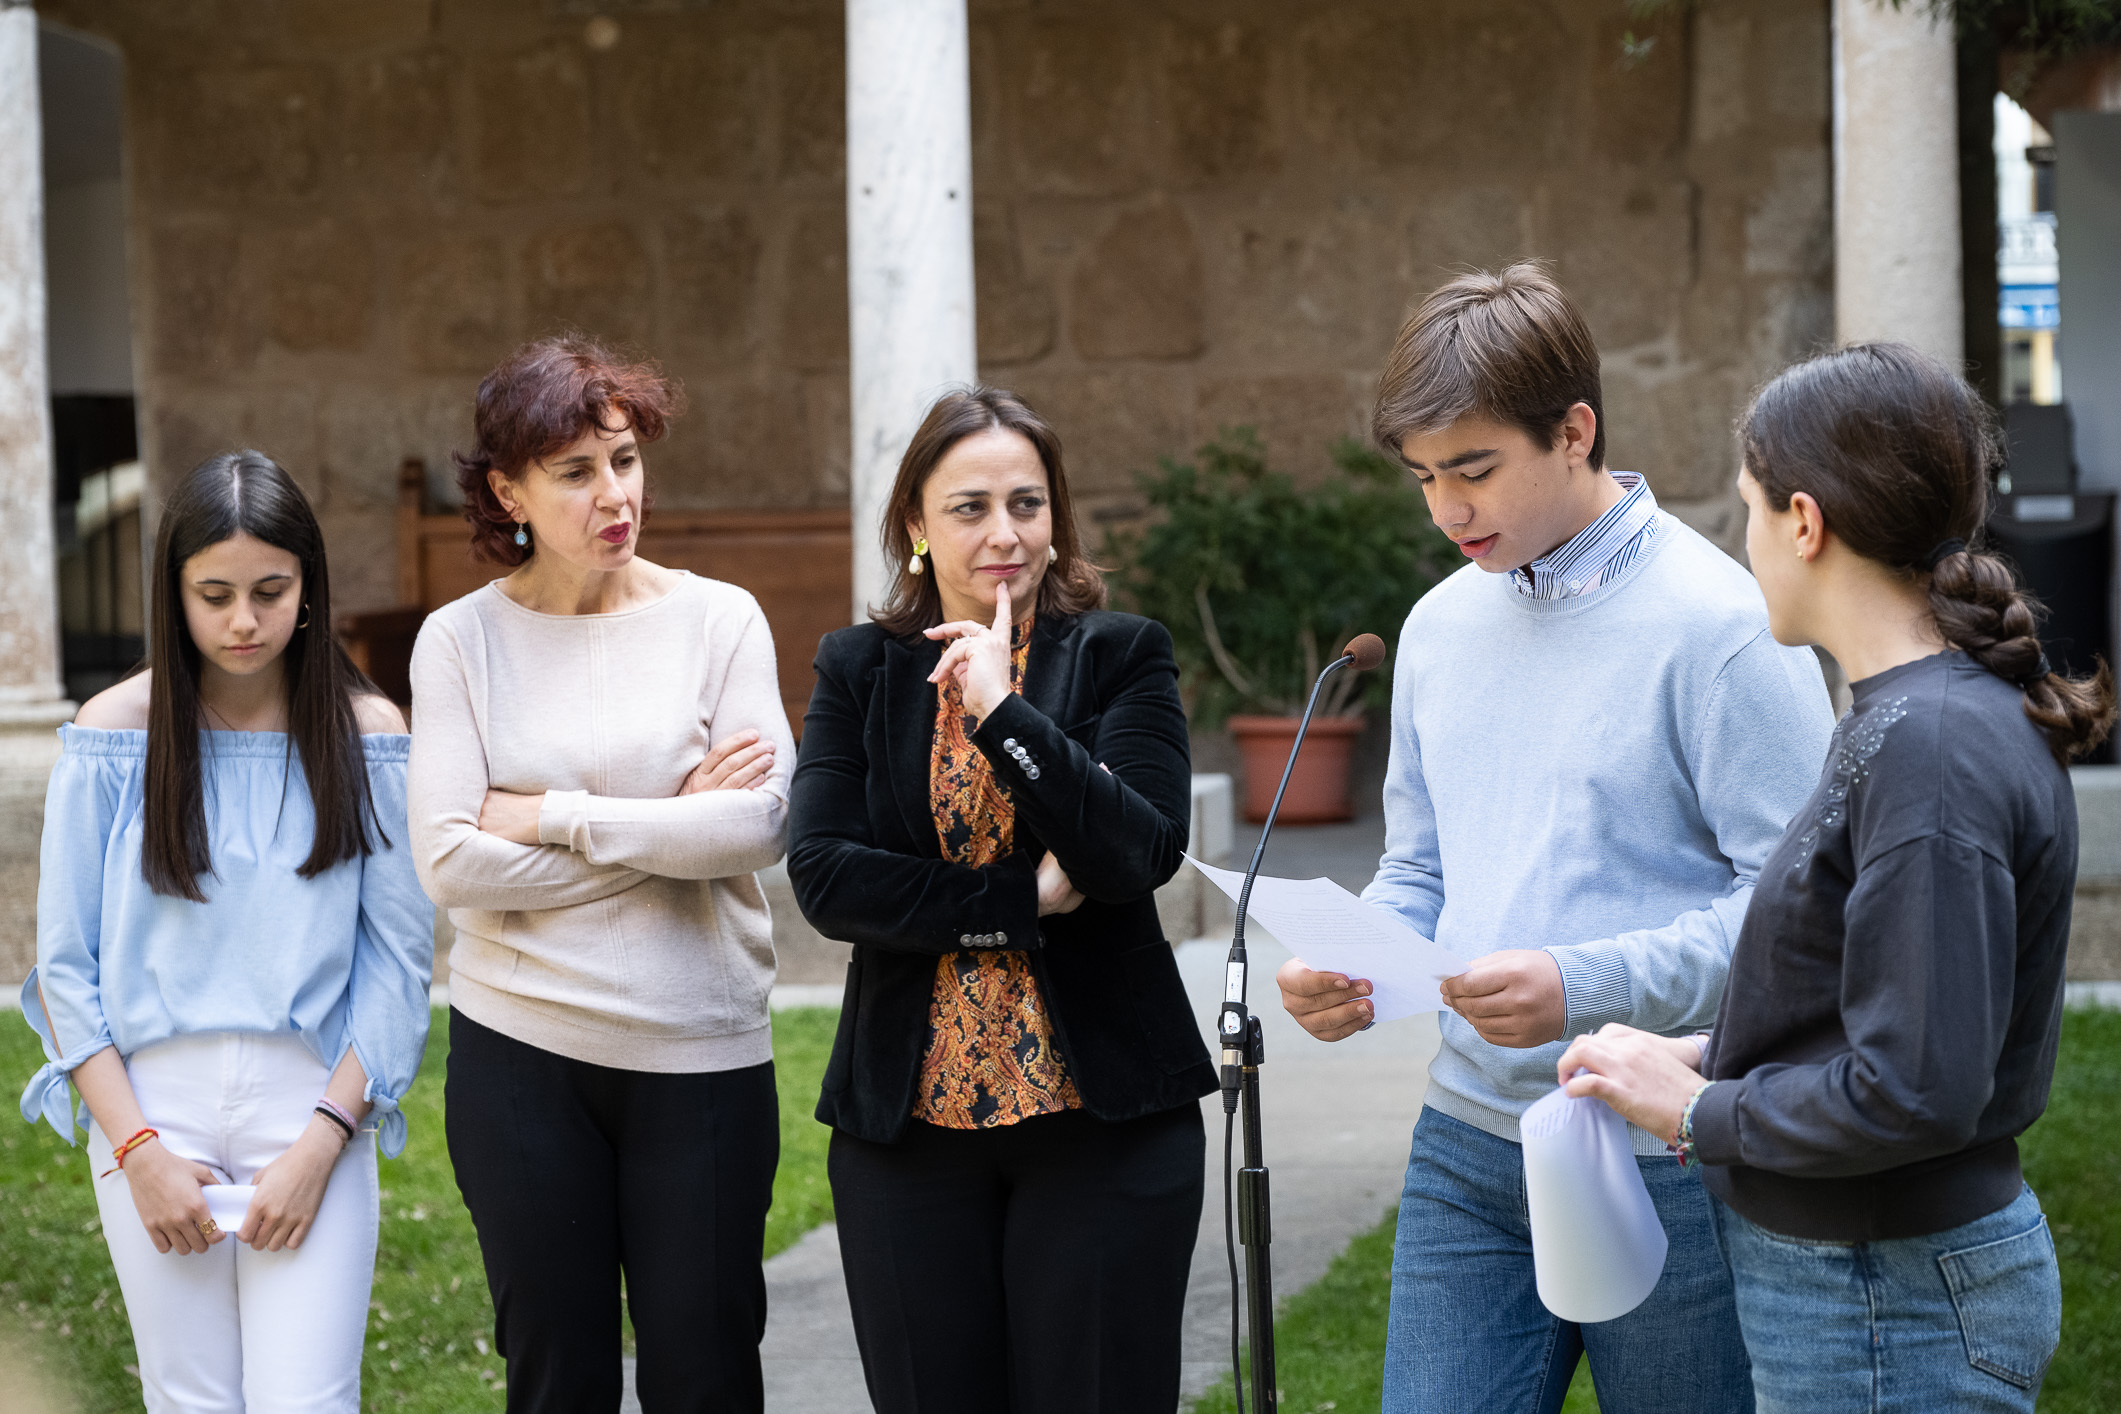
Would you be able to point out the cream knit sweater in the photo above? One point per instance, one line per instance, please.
(634, 935)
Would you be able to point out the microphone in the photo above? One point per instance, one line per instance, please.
(1248, 1218)
(1364, 652)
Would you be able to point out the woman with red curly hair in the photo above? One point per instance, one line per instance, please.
(600, 763)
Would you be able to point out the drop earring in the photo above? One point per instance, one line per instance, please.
(920, 548)
(522, 536)
(1052, 555)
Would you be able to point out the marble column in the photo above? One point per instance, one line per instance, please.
(1896, 178)
(909, 242)
(30, 690)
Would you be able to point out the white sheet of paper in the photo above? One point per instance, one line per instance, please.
(228, 1203)
(1331, 930)
(1598, 1247)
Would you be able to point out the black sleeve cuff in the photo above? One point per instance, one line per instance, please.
(1006, 916)
(1021, 744)
(1716, 1124)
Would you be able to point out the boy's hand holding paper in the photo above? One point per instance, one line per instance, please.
(1512, 998)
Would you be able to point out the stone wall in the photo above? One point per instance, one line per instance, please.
(1188, 215)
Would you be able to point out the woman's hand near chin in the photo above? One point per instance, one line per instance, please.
(978, 657)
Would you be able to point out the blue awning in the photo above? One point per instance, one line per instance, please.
(2030, 307)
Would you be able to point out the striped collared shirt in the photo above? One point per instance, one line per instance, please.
(1598, 552)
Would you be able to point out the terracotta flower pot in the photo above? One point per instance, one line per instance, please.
(1318, 788)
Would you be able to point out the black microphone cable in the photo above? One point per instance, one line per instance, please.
(1237, 1359)
(1364, 651)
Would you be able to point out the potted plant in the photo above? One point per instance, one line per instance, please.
(1261, 581)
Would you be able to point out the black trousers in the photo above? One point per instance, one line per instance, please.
(575, 1173)
(1040, 1266)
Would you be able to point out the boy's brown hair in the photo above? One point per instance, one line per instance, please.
(1511, 347)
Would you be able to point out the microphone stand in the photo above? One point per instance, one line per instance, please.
(1244, 1051)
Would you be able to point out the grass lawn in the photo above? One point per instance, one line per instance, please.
(1330, 1338)
(2070, 1160)
(431, 1324)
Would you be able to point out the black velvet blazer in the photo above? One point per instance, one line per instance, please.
(1100, 689)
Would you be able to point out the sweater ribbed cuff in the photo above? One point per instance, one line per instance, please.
(1594, 982)
(561, 817)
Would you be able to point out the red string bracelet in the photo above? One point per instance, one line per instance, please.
(127, 1147)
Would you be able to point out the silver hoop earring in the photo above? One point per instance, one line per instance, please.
(1052, 555)
(305, 615)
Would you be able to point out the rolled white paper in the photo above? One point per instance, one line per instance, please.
(1597, 1246)
(228, 1203)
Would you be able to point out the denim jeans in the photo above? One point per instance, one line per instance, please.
(1964, 1319)
(1467, 1332)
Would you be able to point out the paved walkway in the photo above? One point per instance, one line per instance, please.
(1336, 1122)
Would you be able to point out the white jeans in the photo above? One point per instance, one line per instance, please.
(233, 1329)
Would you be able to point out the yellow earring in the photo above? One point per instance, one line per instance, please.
(920, 548)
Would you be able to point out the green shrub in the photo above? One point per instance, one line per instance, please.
(1261, 582)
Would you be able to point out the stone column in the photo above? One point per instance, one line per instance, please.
(1896, 178)
(30, 690)
(909, 241)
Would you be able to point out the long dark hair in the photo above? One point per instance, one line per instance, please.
(1899, 453)
(247, 492)
(1071, 584)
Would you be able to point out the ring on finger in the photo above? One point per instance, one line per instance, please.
(209, 1227)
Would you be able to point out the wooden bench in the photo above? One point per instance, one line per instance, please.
(799, 565)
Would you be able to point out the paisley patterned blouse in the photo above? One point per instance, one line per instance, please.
(990, 1058)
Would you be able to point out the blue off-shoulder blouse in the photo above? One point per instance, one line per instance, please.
(340, 960)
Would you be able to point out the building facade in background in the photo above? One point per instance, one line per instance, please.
(337, 217)
(2030, 310)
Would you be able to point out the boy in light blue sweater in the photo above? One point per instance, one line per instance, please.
(1595, 744)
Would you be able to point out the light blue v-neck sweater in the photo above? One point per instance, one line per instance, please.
(1600, 777)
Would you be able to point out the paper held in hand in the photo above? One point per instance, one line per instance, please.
(1331, 930)
(1598, 1246)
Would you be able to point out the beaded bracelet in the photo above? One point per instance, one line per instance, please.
(1684, 1148)
(127, 1147)
(339, 1117)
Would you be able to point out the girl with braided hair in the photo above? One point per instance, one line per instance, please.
(1890, 1023)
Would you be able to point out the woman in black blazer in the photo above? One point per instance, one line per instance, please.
(993, 781)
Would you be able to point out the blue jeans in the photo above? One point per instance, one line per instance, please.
(1964, 1319)
(1467, 1332)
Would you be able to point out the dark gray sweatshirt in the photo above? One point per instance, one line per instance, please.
(1895, 995)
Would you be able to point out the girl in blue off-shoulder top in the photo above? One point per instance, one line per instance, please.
(233, 955)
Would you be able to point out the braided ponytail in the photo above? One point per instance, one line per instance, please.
(1980, 608)
(1899, 453)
